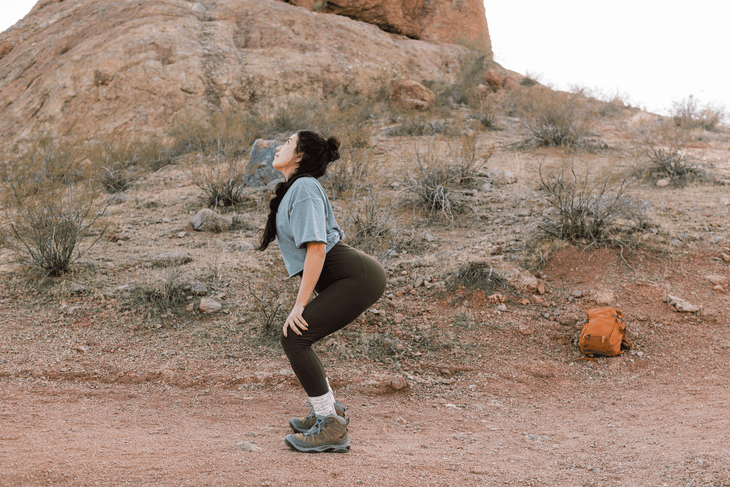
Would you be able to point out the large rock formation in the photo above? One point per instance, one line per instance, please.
(453, 22)
(94, 67)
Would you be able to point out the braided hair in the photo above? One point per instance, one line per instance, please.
(316, 154)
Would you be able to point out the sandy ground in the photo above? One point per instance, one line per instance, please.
(522, 414)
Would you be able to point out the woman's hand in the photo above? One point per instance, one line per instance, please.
(313, 262)
(295, 321)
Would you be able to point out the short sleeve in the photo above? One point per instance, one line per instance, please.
(307, 213)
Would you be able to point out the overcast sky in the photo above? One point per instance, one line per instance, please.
(650, 52)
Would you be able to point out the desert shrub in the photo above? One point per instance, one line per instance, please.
(165, 291)
(665, 154)
(583, 208)
(370, 226)
(689, 113)
(118, 163)
(477, 275)
(50, 160)
(350, 172)
(527, 82)
(434, 187)
(418, 125)
(117, 177)
(554, 118)
(222, 180)
(486, 117)
(472, 67)
(271, 308)
(438, 178)
(45, 220)
(228, 132)
(231, 132)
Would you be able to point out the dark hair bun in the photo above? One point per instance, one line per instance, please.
(333, 148)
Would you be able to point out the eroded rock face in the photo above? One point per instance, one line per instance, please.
(411, 95)
(138, 68)
(453, 22)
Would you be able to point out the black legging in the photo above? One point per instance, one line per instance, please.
(351, 281)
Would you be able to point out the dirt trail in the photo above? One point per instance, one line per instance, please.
(626, 421)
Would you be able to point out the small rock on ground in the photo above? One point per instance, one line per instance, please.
(209, 306)
(248, 446)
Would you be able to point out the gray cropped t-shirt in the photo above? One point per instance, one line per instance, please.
(304, 215)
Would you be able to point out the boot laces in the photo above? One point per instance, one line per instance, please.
(316, 429)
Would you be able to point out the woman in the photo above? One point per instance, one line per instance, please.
(346, 280)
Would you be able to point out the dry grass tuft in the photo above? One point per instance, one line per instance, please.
(587, 209)
(222, 180)
(555, 118)
(477, 275)
(440, 175)
(46, 221)
(691, 114)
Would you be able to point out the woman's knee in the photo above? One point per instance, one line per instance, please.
(293, 343)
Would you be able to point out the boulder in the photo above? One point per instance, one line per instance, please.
(141, 69)
(411, 95)
(510, 84)
(207, 220)
(445, 21)
(259, 171)
(493, 79)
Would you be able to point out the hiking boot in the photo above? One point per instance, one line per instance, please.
(305, 424)
(329, 434)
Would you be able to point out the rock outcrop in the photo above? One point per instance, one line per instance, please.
(91, 68)
(453, 22)
(411, 95)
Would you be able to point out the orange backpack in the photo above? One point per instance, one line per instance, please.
(604, 333)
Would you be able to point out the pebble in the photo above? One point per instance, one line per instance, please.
(604, 297)
(662, 183)
(398, 383)
(244, 246)
(680, 305)
(198, 288)
(248, 446)
(77, 289)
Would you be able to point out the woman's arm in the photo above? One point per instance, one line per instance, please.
(313, 263)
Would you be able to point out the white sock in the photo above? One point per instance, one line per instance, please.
(323, 405)
(328, 384)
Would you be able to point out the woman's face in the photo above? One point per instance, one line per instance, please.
(286, 159)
